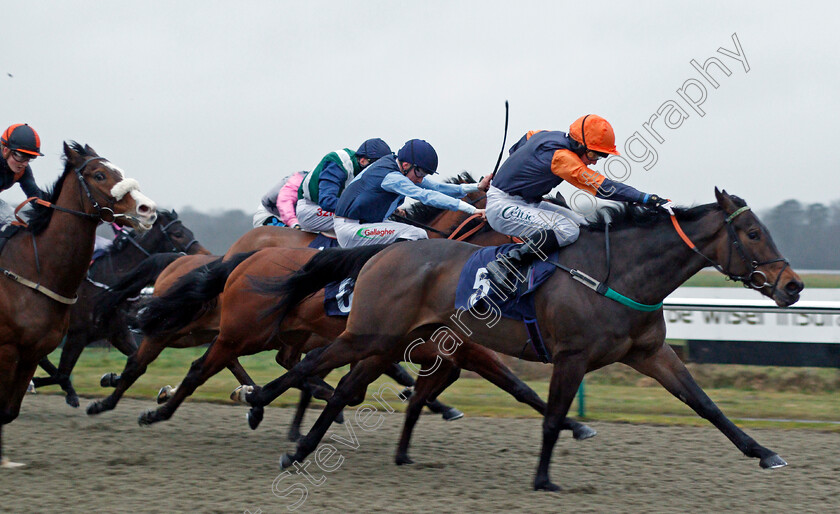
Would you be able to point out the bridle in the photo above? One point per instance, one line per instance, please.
(165, 231)
(754, 278)
(105, 214)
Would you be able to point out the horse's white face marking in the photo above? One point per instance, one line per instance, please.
(111, 167)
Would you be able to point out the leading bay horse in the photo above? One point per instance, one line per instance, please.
(44, 264)
(244, 330)
(168, 234)
(187, 327)
(583, 330)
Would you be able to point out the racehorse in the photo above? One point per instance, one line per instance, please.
(243, 330)
(44, 264)
(168, 234)
(583, 330)
(185, 327)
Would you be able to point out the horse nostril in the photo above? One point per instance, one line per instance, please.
(794, 287)
(143, 209)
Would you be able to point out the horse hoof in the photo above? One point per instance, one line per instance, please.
(72, 401)
(546, 486)
(30, 389)
(584, 432)
(340, 418)
(146, 419)
(109, 380)
(7, 464)
(94, 408)
(286, 461)
(773, 462)
(402, 458)
(452, 414)
(239, 394)
(254, 418)
(164, 394)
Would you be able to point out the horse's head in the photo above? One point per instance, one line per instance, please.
(105, 190)
(170, 235)
(749, 254)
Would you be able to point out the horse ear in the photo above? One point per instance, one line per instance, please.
(724, 200)
(90, 150)
(71, 154)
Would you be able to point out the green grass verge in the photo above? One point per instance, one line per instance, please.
(613, 394)
(711, 278)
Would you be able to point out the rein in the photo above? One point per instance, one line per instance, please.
(755, 278)
(105, 214)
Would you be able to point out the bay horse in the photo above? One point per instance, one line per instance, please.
(583, 330)
(186, 327)
(44, 264)
(168, 234)
(244, 330)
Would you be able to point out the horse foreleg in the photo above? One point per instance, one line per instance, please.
(51, 370)
(135, 366)
(569, 368)
(350, 387)
(303, 403)
(74, 344)
(217, 357)
(239, 373)
(428, 386)
(669, 370)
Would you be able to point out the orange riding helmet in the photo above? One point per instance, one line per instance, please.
(23, 138)
(594, 133)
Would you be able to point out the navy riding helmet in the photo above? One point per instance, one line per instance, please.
(419, 153)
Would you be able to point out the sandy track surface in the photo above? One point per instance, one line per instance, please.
(206, 459)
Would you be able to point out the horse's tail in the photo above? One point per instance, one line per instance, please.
(189, 298)
(330, 265)
(130, 285)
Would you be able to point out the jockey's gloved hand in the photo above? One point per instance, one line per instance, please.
(654, 200)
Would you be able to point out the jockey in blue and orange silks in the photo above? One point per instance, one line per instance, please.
(538, 162)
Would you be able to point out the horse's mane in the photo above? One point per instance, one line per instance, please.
(40, 216)
(422, 213)
(623, 216)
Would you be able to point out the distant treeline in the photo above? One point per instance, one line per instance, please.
(808, 235)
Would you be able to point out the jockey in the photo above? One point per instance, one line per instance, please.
(19, 145)
(381, 188)
(538, 162)
(318, 194)
(278, 205)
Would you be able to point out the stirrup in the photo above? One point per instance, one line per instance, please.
(506, 276)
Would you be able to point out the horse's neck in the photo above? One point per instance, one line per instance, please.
(650, 263)
(65, 247)
(115, 263)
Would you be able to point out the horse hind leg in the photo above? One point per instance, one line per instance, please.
(428, 386)
(401, 376)
(217, 357)
(73, 347)
(669, 370)
(350, 386)
(135, 366)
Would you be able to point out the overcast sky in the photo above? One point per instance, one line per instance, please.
(209, 103)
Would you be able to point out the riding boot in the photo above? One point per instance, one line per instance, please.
(509, 269)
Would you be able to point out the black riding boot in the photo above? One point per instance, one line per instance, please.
(508, 270)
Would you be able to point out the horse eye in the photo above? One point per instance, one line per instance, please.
(755, 235)
(99, 176)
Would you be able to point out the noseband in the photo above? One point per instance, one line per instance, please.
(754, 278)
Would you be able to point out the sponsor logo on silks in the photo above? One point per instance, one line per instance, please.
(513, 212)
(370, 233)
